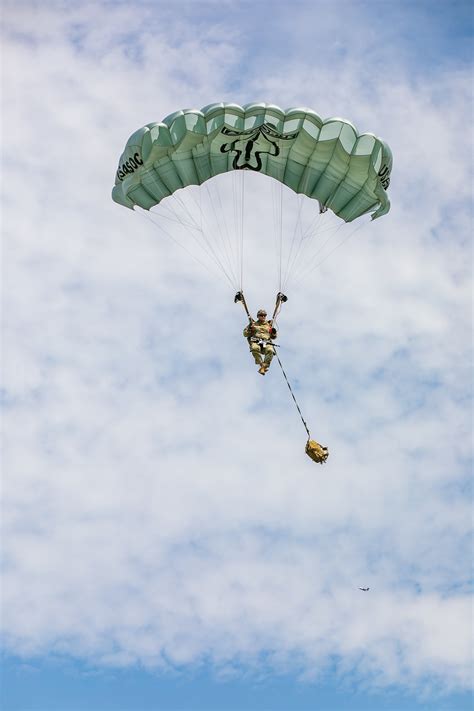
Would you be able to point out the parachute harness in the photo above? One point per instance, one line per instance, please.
(317, 452)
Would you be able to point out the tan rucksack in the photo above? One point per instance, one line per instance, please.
(316, 451)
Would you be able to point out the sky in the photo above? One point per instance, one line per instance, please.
(166, 543)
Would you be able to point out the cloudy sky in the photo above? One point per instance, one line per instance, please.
(167, 544)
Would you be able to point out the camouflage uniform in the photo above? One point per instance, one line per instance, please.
(263, 332)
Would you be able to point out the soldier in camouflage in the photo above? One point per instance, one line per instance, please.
(260, 334)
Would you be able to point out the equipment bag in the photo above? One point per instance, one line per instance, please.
(316, 451)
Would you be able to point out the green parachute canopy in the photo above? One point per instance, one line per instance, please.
(327, 160)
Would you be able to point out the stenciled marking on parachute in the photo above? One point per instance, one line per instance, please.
(255, 142)
(129, 166)
(384, 175)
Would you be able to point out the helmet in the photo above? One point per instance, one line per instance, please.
(261, 312)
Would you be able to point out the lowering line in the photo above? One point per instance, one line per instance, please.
(317, 452)
(292, 394)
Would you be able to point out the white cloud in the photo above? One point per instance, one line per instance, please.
(157, 501)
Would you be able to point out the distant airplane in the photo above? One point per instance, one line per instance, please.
(364, 589)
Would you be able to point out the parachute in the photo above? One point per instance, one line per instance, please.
(317, 160)
(327, 160)
(322, 160)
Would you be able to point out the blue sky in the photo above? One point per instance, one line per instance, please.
(166, 543)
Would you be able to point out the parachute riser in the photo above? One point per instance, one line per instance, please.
(240, 297)
(280, 299)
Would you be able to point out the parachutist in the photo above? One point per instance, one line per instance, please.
(259, 335)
